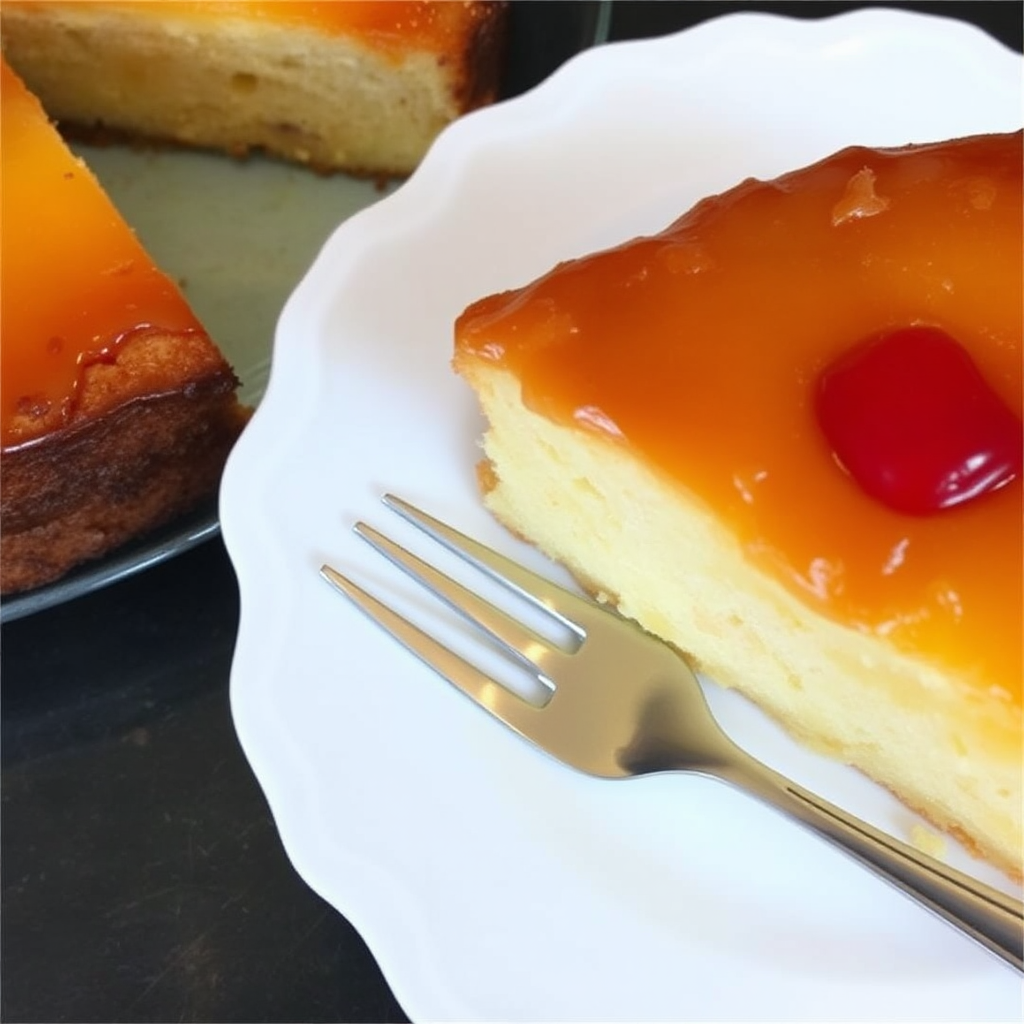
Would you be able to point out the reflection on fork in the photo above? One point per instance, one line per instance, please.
(621, 703)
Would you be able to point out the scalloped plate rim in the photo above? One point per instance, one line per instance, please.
(390, 908)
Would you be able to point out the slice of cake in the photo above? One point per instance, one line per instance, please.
(785, 436)
(117, 412)
(358, 86)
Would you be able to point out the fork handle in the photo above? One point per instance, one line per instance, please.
(992, 918)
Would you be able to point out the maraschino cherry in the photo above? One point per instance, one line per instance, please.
(909, 415)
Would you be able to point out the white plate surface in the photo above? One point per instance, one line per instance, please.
(491, 882)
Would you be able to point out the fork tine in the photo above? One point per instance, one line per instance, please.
(572, 610)
(521, 641)
(501, 702)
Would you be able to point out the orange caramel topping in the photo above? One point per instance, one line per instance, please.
(701, 348)
(388, 25)
(76, 282)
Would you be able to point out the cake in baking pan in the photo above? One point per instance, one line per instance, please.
(358, 86)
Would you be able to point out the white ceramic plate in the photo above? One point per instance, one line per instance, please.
(491, 882)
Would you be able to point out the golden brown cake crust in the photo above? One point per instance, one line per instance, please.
(146, 443)
(478, 78)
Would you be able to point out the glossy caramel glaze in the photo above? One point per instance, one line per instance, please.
(77, 284)
(700, 349)
(387, 25)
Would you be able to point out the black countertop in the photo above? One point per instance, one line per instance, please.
(143, 878)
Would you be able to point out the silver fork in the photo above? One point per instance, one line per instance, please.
(622, 703)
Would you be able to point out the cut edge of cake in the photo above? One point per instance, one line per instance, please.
(239, 84)
(588, 505)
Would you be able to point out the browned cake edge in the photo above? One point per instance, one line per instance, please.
(146, 444)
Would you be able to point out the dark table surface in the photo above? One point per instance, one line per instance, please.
(143, 878)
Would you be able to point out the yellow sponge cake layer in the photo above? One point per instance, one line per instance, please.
(654, 423)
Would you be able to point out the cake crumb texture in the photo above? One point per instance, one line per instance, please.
(359, 87)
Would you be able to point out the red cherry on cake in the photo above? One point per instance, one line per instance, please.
(909, 415)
